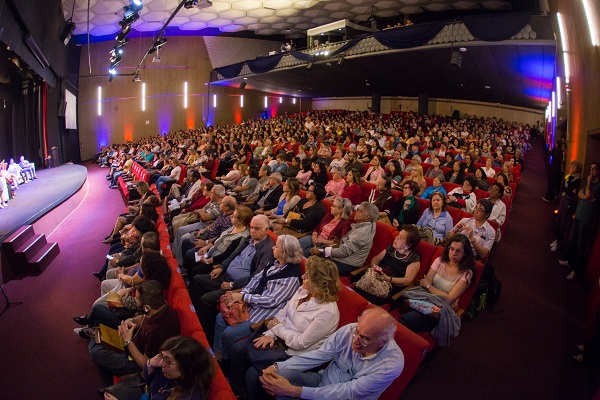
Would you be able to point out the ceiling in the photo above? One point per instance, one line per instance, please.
(520, 75)
(514, 74)
(290, 18)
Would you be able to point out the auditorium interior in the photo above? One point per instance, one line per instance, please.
(76, 76)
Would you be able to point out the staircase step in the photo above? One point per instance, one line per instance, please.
(42, 259)
(18, 238)
(31, 247)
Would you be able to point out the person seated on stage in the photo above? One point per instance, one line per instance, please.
(354, 247)
(478, 231)
(16, 169)
(235, 272)
(200, 260)
(348, 374)
(12, 180)
(142, 335)
(311, 211)
(267, 292)
(210, 233)
(302, 325)
(183, 369)
(4, 192)
(463, 196)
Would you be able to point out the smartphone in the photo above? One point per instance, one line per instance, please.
(109, 257)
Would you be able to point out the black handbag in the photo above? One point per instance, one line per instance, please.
(130, 388)
(262, 358)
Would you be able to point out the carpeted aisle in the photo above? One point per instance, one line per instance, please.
(40, 356)
(521, 351)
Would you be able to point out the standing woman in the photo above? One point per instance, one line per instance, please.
(567, 205)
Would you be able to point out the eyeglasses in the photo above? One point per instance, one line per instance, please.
(364, 341)
(405, 187)
(168, 362)
(480, 209)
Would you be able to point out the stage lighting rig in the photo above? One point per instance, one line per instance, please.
(157, 45)
(190, 4)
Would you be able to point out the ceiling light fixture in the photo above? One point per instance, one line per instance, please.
(160, 42)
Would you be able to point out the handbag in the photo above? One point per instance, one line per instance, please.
(130, 388)
(372, 283)
(233, 312)
(262, 358)
(427, 235)
(293, 215)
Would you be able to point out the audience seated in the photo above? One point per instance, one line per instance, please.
(229, 260)
(478, 230)
(309, 317)
(398, 264)
(347, 375)
(353, 247)
(435, 300)
(142, 335)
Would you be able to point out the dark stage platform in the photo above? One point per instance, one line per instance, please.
(35, 199)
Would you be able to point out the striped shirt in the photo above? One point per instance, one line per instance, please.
(273, 298)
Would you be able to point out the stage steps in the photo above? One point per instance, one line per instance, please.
(28, 252)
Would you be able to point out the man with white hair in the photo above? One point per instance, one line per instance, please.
(355, 246)
(364, 357)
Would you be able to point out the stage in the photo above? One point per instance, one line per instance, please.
(34, 201)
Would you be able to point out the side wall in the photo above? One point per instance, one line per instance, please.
(436, 106)
(581, 105)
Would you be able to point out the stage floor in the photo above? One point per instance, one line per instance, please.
(35, 199)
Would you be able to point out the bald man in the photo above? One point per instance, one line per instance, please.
(366, 360)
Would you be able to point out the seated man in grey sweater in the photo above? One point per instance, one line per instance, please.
(354, 247)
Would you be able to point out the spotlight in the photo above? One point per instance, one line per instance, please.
(67, 32)
(341, 61)
(136, 4)
(124, 32)
(112, 70)
(157, 45)
(309, 66)
(129, 17)
(137, 78)
(190, 4)
(114, 61)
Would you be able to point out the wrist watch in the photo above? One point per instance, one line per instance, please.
(126, 343)
(230, 285)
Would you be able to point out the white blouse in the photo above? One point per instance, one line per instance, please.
(304, 328)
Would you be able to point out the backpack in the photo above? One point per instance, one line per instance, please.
(489, 288)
